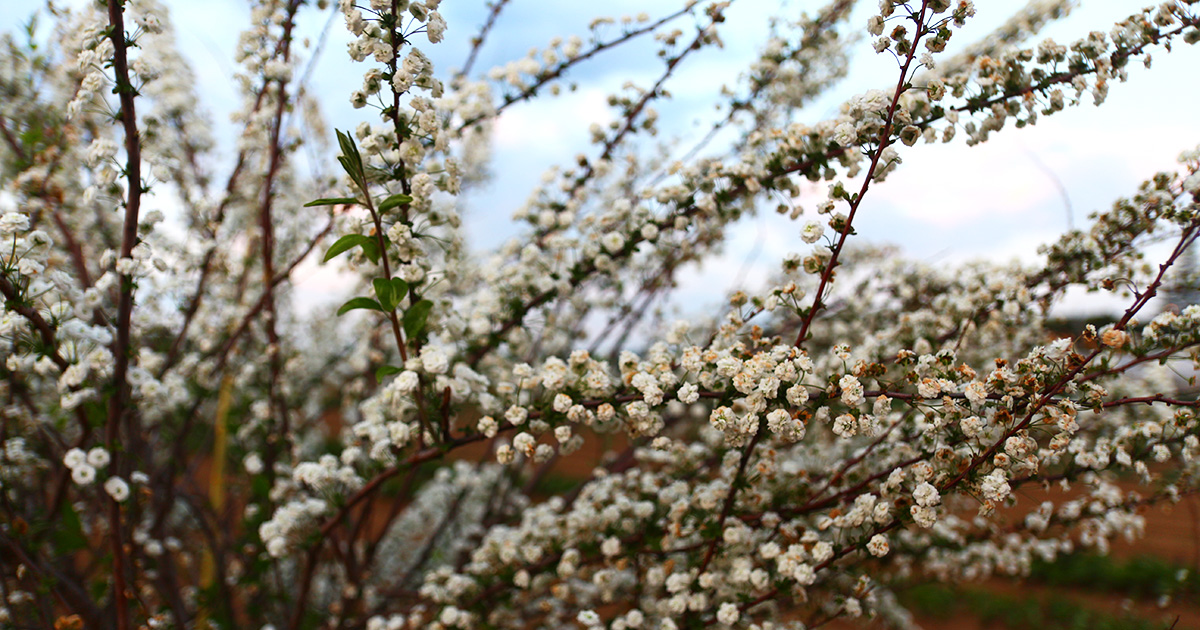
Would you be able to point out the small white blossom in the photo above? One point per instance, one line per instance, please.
(878, 545)
(728, 613)
(117, 489)
(83, 474)
(926, 495)
(98, 457)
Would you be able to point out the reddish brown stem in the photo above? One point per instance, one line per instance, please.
(118, 408)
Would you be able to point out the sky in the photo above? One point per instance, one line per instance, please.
(946, 203)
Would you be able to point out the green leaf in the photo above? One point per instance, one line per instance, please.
(348, 242)
(351, 160)
(371, 250)
(393, 201)
(386, 370)
(383, 291)
(415, 317)
(357, 303)
(331, 201)
(399, 289)
(349, 168)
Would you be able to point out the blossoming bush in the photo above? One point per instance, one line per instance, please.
(183, 447)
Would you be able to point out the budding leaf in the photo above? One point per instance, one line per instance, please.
(357, 303)
(394, 201)
(331, 201)
(385, 370)
(351, 160)
(350, 241)
(414, 319)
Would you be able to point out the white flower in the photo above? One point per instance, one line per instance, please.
(971, 426)
(13, 222)
(882, 406)
(804, 574)
(150, 23)
(29, 267)
(923, 516)
(117, 489)
(822, 551)
(406, 382)
(83, 474)
(434, 360)
(976, 393)
(728, 613)
(720, 418)
(98, 457)
(688, 393)
(878, 545)
(253, 463)
(797, 395)
(524, 443)
(995, 485)
(74, 458)
(926, 495)
(852, 391)
(875, 25)
(516, 415)
(435, 27)
(845, 134)
(812, 231)
(588, 618)
(613, 242)
(845, 425)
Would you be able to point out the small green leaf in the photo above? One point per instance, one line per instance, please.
(357, 303)
(399, 289)
(393, 201)
(331, 201)
(383, 291)
(348, 242)
(386, 370)
(350, 170)
(371, 250)
(415, 317)
(350, 159)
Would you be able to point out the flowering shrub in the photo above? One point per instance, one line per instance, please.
(183, 446)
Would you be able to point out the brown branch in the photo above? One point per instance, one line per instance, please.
(73, 247)
(1050, 392)
(35, 319)
(222, 352)
(478, 40)
(118, 409)
(12, 141)
(266, 225)
(731, 498)
(885, 139)
(562, 67)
